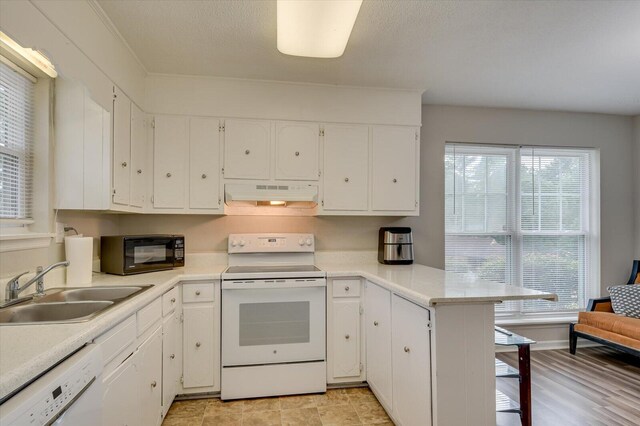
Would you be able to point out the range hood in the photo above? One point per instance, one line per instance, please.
(271, 195)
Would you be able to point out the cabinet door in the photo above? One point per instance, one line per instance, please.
(93, 177)
(121, 166)
(198, 347)
(247, 149)
(138, 157)
(394, 168)
(297, 151)
(346, 338)
(378, 331)
(204, 163)
(169, 161)
(171, 359)
(150, 383)
(411, 363)
(121, 399)
(346, 162)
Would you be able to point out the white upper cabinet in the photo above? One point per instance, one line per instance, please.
(247, 149)
(346, 167)
(204, 163)
(395, 163)
(170, 146)
(121, 147)
(138, 157)
(297, 151)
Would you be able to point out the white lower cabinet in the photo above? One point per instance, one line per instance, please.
(378, 342)
(201, 337)
(345, 343)
(411, 355)
(171, 359)
(149, 359)
(120, 403)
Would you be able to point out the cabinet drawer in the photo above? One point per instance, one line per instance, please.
(117, 339)
(197, 293)
(148, 315)
(169, 301)
(346, 288)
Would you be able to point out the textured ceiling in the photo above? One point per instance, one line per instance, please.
(576, 56)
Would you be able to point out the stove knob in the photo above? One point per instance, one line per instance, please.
(233, 243)
(309, 241)
(301, 241)
(242, 243)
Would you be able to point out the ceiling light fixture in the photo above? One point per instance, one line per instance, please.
(315, 28)
(34, 57)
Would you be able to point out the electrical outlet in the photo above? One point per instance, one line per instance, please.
(60, 232)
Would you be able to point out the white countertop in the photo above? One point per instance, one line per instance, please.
(26, 351)
(430, 286)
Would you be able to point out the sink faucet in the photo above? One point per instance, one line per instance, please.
(13, 288)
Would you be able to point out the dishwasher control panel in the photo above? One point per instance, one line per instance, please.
(50, 396)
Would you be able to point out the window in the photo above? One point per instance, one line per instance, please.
(522, 216)
(16, 142)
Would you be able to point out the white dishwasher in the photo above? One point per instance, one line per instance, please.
(69, 394)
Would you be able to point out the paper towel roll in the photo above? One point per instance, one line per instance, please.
(79, 252)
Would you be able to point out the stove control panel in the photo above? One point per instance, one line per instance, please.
(271, 243)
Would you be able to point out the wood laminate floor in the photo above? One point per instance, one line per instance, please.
(597, 387)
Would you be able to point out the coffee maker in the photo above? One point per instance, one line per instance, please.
(395, 246)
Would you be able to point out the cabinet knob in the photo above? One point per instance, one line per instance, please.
(168, 175)
(346, 179)
(204, 176)
(197, 344)
(172, 356)
(346, 336)
(346, 288)
(124, 164)
(297, 154)
(247, 152)
(375, 323)
(139, 171)
(406, 349)
(395, 180)
(197, 292)
(173, 300)
(154, 384)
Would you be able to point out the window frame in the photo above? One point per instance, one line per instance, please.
(24, 234)
(590, 228)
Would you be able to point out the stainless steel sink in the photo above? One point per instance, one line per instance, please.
(67, 304)
(111, 294)
(52, 312)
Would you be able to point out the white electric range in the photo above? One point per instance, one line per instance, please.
(273, 317)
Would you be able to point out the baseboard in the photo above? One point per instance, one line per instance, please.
(548, 345)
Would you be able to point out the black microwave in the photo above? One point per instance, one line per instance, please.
(135, 254)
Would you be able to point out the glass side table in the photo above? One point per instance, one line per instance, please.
(504, 404)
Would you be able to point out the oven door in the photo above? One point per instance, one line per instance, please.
(272, 325)
(148, 254)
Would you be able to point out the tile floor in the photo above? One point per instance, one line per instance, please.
(354, 406)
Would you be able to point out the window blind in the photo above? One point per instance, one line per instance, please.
(520, 216)
(554, 194)
(16, 143)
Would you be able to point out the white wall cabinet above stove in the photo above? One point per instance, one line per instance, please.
(247, 149)
(297, 151)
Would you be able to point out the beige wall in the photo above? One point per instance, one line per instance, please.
(636, 169)
(209, 233)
